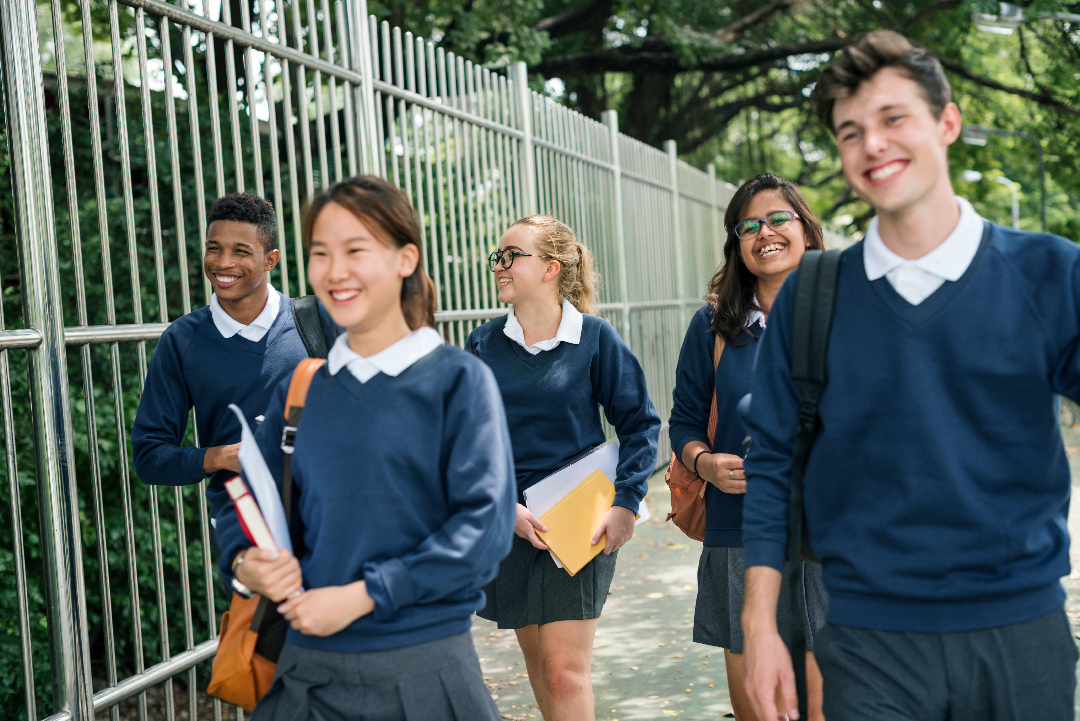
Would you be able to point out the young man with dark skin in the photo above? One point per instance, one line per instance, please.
(937, 490)
(234, 350)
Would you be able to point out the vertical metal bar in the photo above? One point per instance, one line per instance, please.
(611, 120)
(196, 150)
(526, 169)
(422, 51)
(379, 140)
(676, 227)
(215, 126)
(372, 138)
(249, 94)
(305, 120)
(275, 160)
(717, 217)
(31, 175)
(335, 133)
(290, 151)
(118, 406)
(320, 137)
(403, 114)
(234, 111)
(348, 50)
(151, 163)
(165, 33)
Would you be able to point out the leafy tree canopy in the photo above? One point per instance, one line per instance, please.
(728, 81)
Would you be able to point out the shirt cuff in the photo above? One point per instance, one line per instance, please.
(390, 588)
(765, 552)
(628, 497)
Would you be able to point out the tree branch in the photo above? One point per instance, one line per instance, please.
(1040, 98)
(588, 17)
(642, 60)
(926, 12)
(730, 32)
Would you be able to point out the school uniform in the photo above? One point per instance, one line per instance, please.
(937, 491)
(721, 576)
(207, 360)
(403, 478)
(553, 392)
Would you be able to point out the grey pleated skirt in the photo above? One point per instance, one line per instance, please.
(721, 587)
(435, 681)
(531, 589)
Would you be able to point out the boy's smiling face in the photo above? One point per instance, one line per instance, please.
(235, 260)
(893, 150)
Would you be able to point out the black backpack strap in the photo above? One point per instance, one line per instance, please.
(309, 324)
(815, 298)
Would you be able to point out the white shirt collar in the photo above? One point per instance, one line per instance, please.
(229, 326)
(948, 261)
(569, 329)
(392, 360)
(756, 316)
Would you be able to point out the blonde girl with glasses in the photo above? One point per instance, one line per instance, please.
(557, 365)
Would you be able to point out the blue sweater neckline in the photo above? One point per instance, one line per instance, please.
(916, 315)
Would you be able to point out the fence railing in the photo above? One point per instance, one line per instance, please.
(124, 120)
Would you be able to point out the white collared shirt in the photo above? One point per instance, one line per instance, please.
(229, 326)
(392, 360)
(915, 280)
(756, 316)
(569, 330)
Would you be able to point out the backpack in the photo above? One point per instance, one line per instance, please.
(305, 310)
(815, 298)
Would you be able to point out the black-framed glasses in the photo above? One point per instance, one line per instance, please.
(777, 220)
(506, 257)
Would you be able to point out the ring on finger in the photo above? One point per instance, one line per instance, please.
(731, 474)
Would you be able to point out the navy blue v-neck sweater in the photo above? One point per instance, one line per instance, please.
(406, 483)
(938, 489)
(553, 402)
(695, 384)
(194, 366)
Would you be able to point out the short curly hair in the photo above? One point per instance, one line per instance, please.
(248, 208)
(870, 53)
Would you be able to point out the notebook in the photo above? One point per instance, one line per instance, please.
(572, 522)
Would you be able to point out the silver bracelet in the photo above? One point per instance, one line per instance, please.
(241, 588)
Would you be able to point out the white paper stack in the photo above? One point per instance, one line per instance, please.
(261, 483)
(539, 498)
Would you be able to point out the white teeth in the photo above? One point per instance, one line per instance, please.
(770, 249)
(504, 281)
(226, 278)
(887, 171)
(344, 294)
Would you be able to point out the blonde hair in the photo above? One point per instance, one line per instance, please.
(578, 279)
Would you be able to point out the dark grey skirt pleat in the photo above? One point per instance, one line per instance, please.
(435, 681)
(722, 586)
(531, 589)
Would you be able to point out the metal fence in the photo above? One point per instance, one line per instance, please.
(125, 119)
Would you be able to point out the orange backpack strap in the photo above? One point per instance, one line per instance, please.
(298, 388)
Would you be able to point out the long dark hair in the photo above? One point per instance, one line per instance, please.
(732, 289)
(373, 200)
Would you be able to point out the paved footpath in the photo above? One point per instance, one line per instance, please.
(645, 665)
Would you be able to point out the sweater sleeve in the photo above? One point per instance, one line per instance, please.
(481, 491)
(162, 419)
(773, 417)
(619, 383)
(230, 536)
(1066, 376)
(694, 385)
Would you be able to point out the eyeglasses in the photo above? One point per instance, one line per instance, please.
(506, 257)
(776, 220)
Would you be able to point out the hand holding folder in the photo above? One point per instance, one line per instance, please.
(572, 522)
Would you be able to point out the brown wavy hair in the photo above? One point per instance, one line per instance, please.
(384, 208)
(732, 289)
(578, 279)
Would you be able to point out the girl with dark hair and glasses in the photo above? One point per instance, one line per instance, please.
(557, 365)
(769, 227)
(403, 500)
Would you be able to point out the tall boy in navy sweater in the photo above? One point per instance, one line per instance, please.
(234, 350)
(937, 491)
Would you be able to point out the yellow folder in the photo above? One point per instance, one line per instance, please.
(572, 522)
